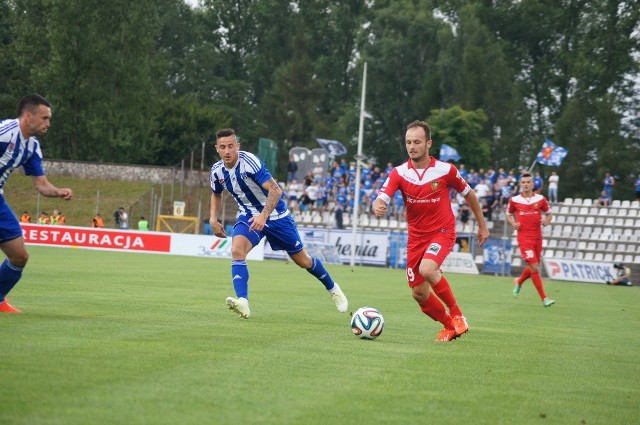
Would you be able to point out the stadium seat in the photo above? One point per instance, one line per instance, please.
(601, 246)
(548, 253)
(599, 221)
(637, 260)
(316, 218)
(635, 204)
(591, 246)
(632, 212)
(577, 201)
(562, 243)
(516, 262)
(583, 211)
(564, 210)
(574, 210)
(590, 220)
(603, 211)
(619, 222)
(609, 221)
(568, 201)
(598, 256)
(588, 256)
(572, 245)
(594, 211)
(383, 223)
(628, 258)
(608, 257)
(615, 203)
(587, 202)
(625, 204)
(621, 212)
(618, 258)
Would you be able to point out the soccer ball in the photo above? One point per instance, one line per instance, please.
(367, 323)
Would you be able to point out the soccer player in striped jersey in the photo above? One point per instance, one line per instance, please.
(19, 147)
(424, 183)
(525, 213)
(262, 214)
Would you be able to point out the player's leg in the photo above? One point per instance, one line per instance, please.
(535, 273)
(282, 234)
(527, 254)
(242, 242)
(433, 307)
(437, 250)
(12, 244)
(11, 270)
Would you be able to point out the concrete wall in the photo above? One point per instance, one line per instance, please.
(142, 173)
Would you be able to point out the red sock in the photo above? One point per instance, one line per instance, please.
(434, 308)
(443, 291)
(526, 274)
(537, 282)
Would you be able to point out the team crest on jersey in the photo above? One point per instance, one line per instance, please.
(434, 185)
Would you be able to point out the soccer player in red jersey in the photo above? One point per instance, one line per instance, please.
(525, 214)
(424, 183)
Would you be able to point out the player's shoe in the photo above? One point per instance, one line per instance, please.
(446, 335)
(338, 297)
(240, 306)
(5, 307)
(461, 325)
(516, 288)
(547, 302)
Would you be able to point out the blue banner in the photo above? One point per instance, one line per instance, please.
(398, 250)
(447, 153)
(550, 154)
(497, 256)
(334, 147)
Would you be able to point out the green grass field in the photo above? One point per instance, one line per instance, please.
(119, 338)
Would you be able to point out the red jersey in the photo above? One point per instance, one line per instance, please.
(528, 212)
(426, 195)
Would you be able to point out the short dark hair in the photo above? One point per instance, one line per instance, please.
(525, 175)
(225, 132)
(31, 102)
(424, 125)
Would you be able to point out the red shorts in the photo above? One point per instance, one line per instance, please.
(435, 247)
(530, 250)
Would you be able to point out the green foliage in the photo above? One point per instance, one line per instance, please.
(143, 82)
(461, 130)
(129, 338)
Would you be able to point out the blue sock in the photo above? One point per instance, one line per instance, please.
(240, 278)
(9, 276)
(318, 270)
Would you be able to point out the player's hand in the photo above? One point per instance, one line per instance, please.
(483, 235)
(65, 194)
(218, 229)
(257, 223)
(379, 209)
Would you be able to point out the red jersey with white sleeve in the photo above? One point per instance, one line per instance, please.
(528, 212)
(426, 195)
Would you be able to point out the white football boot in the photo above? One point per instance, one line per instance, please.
(338, 297)
(240, 306)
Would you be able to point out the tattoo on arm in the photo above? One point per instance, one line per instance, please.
(272, 198)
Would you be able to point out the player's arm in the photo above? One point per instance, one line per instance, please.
(273, 196)
(216, 226)
(380, 205)
(45, 188)
(472, 201)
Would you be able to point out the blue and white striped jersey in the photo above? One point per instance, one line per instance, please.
(244, 182)
(17, 152)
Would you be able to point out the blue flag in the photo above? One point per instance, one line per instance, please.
(447, 153)
(334, 147)
(550, 154)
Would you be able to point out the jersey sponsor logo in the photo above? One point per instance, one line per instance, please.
(434, 249)
(422, 201)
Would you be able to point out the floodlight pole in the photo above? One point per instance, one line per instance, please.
(359, 157)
